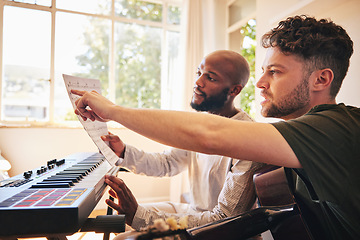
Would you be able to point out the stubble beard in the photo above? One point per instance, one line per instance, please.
(296, 100)
(211, 103)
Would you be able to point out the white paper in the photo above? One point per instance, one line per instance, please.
(95, 129)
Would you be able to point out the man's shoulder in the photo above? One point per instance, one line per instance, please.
(242, 115)
(340, 112)
(334, 107)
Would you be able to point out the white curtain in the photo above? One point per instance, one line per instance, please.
(192, 44)
(203, 32)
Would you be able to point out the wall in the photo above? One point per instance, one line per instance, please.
(342, 12)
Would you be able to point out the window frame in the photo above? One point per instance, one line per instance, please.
(113, 18)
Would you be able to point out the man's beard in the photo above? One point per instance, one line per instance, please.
(212, 102)
(297, 99)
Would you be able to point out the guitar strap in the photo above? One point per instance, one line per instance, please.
(321, 207)
(303, 176)
(309, 213)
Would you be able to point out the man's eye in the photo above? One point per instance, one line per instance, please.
(272, 72)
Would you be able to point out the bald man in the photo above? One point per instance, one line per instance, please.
(220, 186)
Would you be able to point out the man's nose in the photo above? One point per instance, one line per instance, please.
(199, 81)
(262, 83)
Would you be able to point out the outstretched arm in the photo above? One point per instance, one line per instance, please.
(204, 133)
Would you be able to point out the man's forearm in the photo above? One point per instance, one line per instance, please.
(174, 128)
(167, 163)
(210, 134)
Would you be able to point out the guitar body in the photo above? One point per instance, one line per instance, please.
(272, 189)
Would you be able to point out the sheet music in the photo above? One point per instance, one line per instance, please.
(95, 129)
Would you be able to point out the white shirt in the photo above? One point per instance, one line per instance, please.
(219, 186)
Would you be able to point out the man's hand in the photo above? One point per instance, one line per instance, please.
(115, 143)
(92, 105)
(127, 203)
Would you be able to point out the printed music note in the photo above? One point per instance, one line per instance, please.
(95, 129)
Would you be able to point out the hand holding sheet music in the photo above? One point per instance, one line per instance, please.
(95, 129)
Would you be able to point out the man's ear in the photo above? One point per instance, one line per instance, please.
(323, 79)
(235, 90)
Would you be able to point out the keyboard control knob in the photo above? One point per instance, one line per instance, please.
(27, 174)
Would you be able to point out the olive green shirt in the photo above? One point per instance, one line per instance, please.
(327, 143)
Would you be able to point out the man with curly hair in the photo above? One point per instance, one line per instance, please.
(306, 62)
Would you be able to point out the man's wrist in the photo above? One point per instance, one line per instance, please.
(122, 154)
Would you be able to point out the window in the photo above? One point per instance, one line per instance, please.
(26, 70)
(241, 37)
(130, 45)
(247, 95)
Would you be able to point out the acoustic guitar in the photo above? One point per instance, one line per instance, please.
(272, 189)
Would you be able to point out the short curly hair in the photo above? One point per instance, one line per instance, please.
(320, 43)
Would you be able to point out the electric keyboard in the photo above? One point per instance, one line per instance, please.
(54, 199)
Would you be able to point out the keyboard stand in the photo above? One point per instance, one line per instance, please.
(101, 224)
